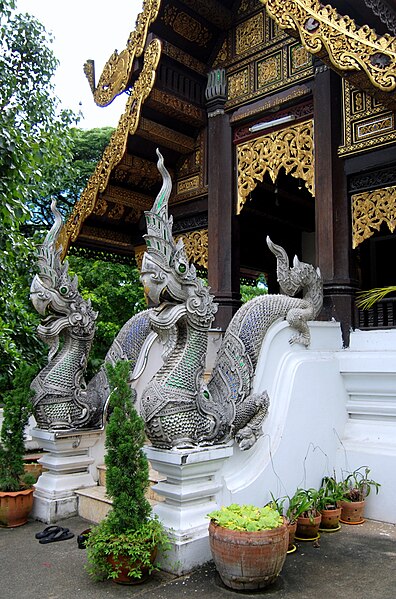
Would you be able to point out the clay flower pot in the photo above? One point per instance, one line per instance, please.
(291, 527)
(308, 528)
(352, 512)
(15, 507)
(248, 560)
(330, 519)
(125, 565)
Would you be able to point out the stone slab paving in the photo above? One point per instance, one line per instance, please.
(356, 562)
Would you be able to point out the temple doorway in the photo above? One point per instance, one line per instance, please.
(284, 210)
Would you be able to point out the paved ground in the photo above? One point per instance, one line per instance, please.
(356, 562)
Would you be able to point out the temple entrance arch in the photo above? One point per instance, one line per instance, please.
(285, 211)
(275, 198)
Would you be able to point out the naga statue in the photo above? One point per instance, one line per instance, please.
(179, 408)
(61, 400)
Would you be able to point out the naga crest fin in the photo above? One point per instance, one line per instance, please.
(159, 238)
(49, 262)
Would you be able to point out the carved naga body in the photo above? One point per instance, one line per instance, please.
(178, 407)
(68, 328)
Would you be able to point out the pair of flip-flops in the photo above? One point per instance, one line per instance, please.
(51, 534)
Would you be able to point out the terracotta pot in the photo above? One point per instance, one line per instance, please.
(291, 527)
(308, 528)
(15, 507)
(330, 518)
(352, 512)
(125, 564)
(248, 560)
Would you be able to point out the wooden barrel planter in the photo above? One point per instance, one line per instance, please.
(248, 560)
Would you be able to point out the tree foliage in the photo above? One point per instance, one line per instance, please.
(35, 150)
(115, 292)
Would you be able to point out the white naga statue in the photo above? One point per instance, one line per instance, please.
(178, 407)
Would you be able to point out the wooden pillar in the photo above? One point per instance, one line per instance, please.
(223, 233)
(333, 213)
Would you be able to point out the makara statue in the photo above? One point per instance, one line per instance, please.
(179, 408)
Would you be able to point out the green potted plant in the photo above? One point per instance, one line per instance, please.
(290, 513)
(16, 486)
(309, 516)
(356, 486)
(248, 545)
(124, 545)
(329, 503)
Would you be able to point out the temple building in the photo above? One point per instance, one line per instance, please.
(274, 118)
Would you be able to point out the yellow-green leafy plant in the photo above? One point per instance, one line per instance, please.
(247, 517)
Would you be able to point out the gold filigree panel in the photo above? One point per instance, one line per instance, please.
(115, 150)
(276, 66)
(195, 243)
(291, 149)
(249, 34)
(186, 26)
(117, 71)
(370, 210)
(238, 83)
(339, 40)
(367, 122)
(269, 70)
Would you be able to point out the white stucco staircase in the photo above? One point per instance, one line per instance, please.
(94, 504)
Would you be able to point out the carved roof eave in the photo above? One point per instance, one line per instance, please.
(368, 60)
(117, 72)
(116, 148)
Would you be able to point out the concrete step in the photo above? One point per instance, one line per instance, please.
(94, 504)
(154, 477)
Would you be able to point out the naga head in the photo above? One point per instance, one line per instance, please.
(166, 274)
(53, 293)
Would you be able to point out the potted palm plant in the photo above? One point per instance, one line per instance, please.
(124, 545)
(16, 486)
(357, 486)
(248, 545)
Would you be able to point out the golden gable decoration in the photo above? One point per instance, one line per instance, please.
(115, 150)
(196, 246)
(117, 71)
(290, 148)
(338, 40)
(369, 210)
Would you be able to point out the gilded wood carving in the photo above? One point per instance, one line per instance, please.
(115, 150)
(290, 148)
(117, 71)
(196, 246)
(370, 210)
(324, 32)
(367, 122)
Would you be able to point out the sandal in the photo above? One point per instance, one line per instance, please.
(61, 535)
(47, 531)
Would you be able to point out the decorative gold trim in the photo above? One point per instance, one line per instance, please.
(324, 32)
(367, 122)
(117, 71)
(369, 210)
(195, 243)
(115, 150)
(291, 148)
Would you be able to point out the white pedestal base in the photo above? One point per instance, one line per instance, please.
(193, 482)
(66, 469)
